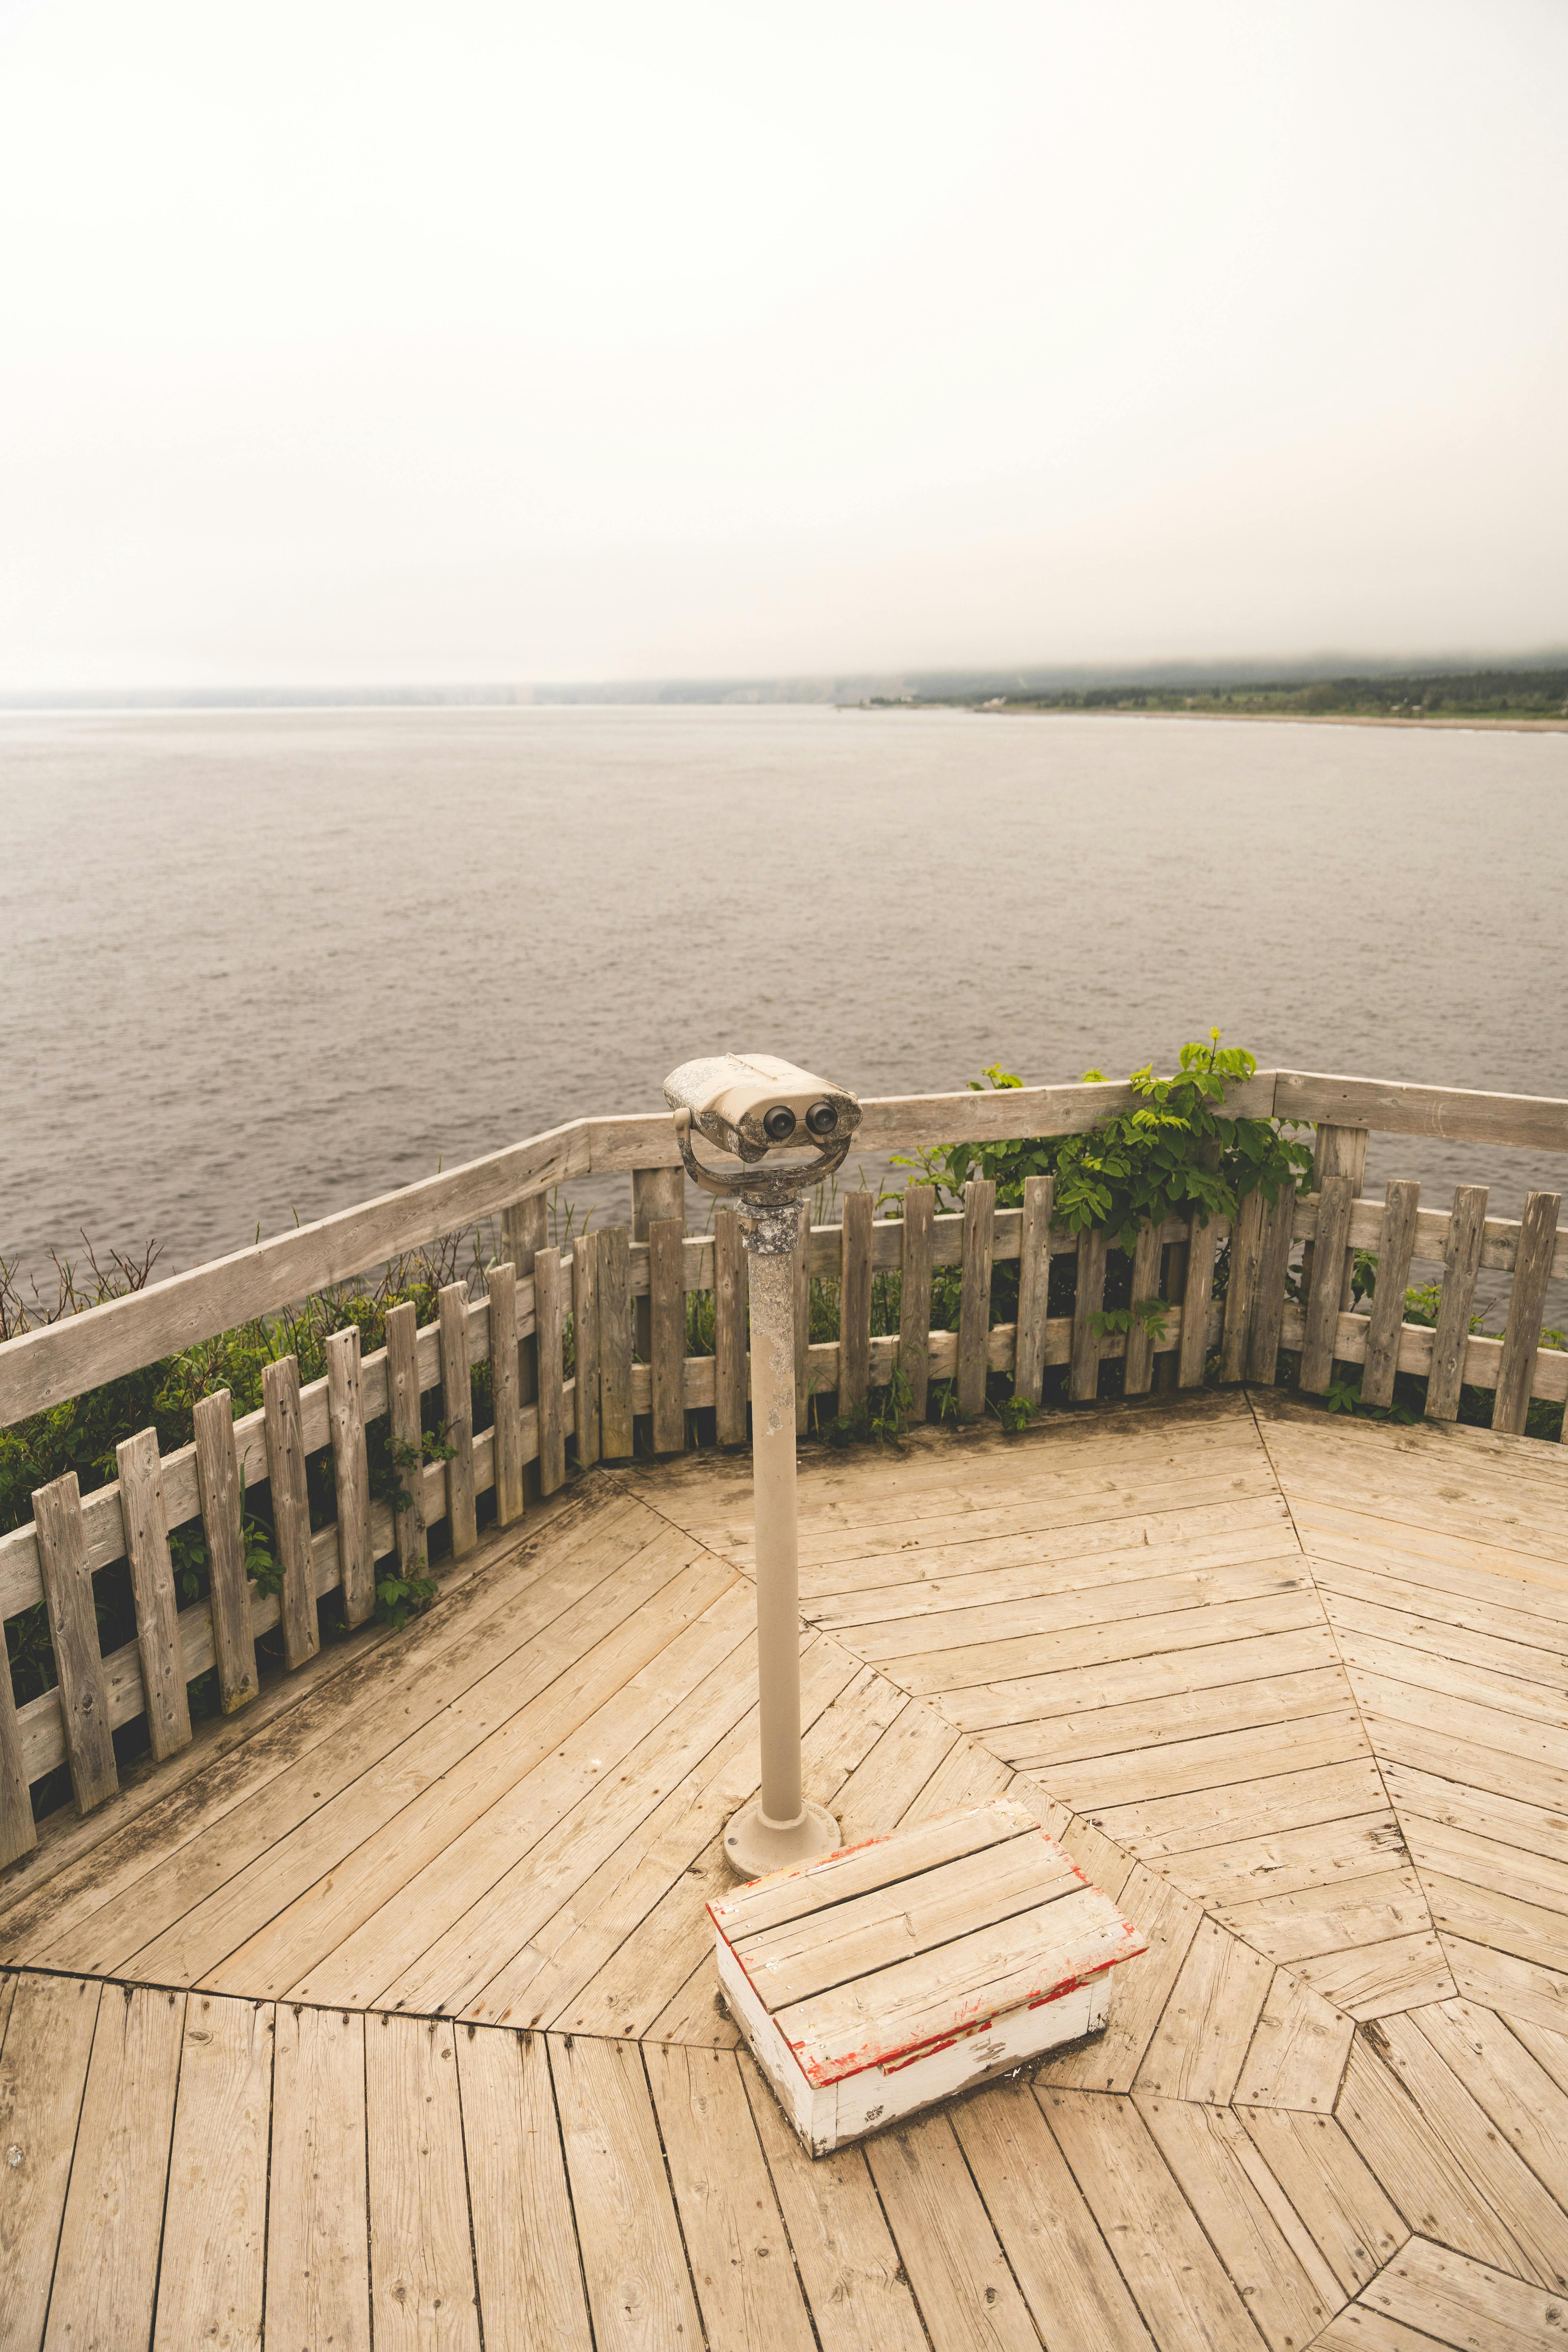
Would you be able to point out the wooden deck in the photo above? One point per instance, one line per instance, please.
(394, 1995)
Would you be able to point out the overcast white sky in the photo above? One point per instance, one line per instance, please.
(376, 343)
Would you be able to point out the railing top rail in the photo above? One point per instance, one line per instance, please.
(42, 1368)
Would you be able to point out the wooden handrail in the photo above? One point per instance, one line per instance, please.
(42, 1368)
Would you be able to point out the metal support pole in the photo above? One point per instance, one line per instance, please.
(781, 1827)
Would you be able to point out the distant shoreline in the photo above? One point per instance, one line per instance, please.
(1283, 718)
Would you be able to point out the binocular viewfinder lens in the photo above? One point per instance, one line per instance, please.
(778, 1125)
(822, 1118)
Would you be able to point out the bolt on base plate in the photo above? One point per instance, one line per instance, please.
(753, 1845)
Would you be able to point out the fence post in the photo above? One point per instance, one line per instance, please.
(974, 1298)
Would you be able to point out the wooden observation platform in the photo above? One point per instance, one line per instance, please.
(384, 2008)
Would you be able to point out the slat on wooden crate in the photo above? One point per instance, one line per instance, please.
(500, 1286)
(350, 1475)
(549, 1286)
(1526, 1307)
(1273, 1260)
(217, 1479)
(1461, 1264)
(855, 1301)
(1203, 1242)
(974, 1299)
(73, 1635)
(290, 1507)
(1138, 1359)
(1083, 1375)
(615, 1344)
(666, 1277)
(1327, 1282)
(729, 1326)
(1034, 1287)
(914, 1295)
(1402, 1203)
(586, 1346)
(458, 1411)
(153, 1592)
(1241, 1288)
(407, 1433)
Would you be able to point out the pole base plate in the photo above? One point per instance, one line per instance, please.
(752, 1846)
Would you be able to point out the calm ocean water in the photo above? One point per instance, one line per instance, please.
(266, 963)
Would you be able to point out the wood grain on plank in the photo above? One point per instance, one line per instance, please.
(73, 1636)
(318, 2250)
(105, 2274)
(740, 2255)
(1208, 2023)
(43, 2073)
(1273, 1262)
(1203, 1244)
(218, 1483)
(422, 2267)
(525, 2240)
(1296, 2055)
(1327, 1282)
(914, 1295)
(1450, 2299)
(640, 2290)
(1353, 2224)
(1088, 1300)
(215, 2226)
(963, 2281)
(407, 1434)
(1246, 1250)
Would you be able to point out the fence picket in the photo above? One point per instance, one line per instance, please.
(616, 1344)
(730, 1322)
(1083, 1374)
(458, 1411)
(1461, 1264)
(585, 1345)
(73, 1635)
(914, 1295)
(1526, 1307)
(218, 1490)
(290, 1508)
(548, 1287)
(1402, 1202)
(803, 1323)
(855, 1301)
(350, 1474)
(18, 1830)
(1241, 1286)
(506, 1456)
(974, 1299)
(1034, 1287)
(1138, 1357)
(659, 1198)
(666, 1301)
(407, 1433)
(1331, 1241)
(524, 1230)
(1268, 1312)
(158, 1642)
(1202, 1241)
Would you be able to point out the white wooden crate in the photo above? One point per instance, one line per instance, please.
(896, 1973)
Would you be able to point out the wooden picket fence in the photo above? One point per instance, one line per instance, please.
(626, 1290)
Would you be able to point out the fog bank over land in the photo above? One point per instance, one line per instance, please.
(849, 347)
